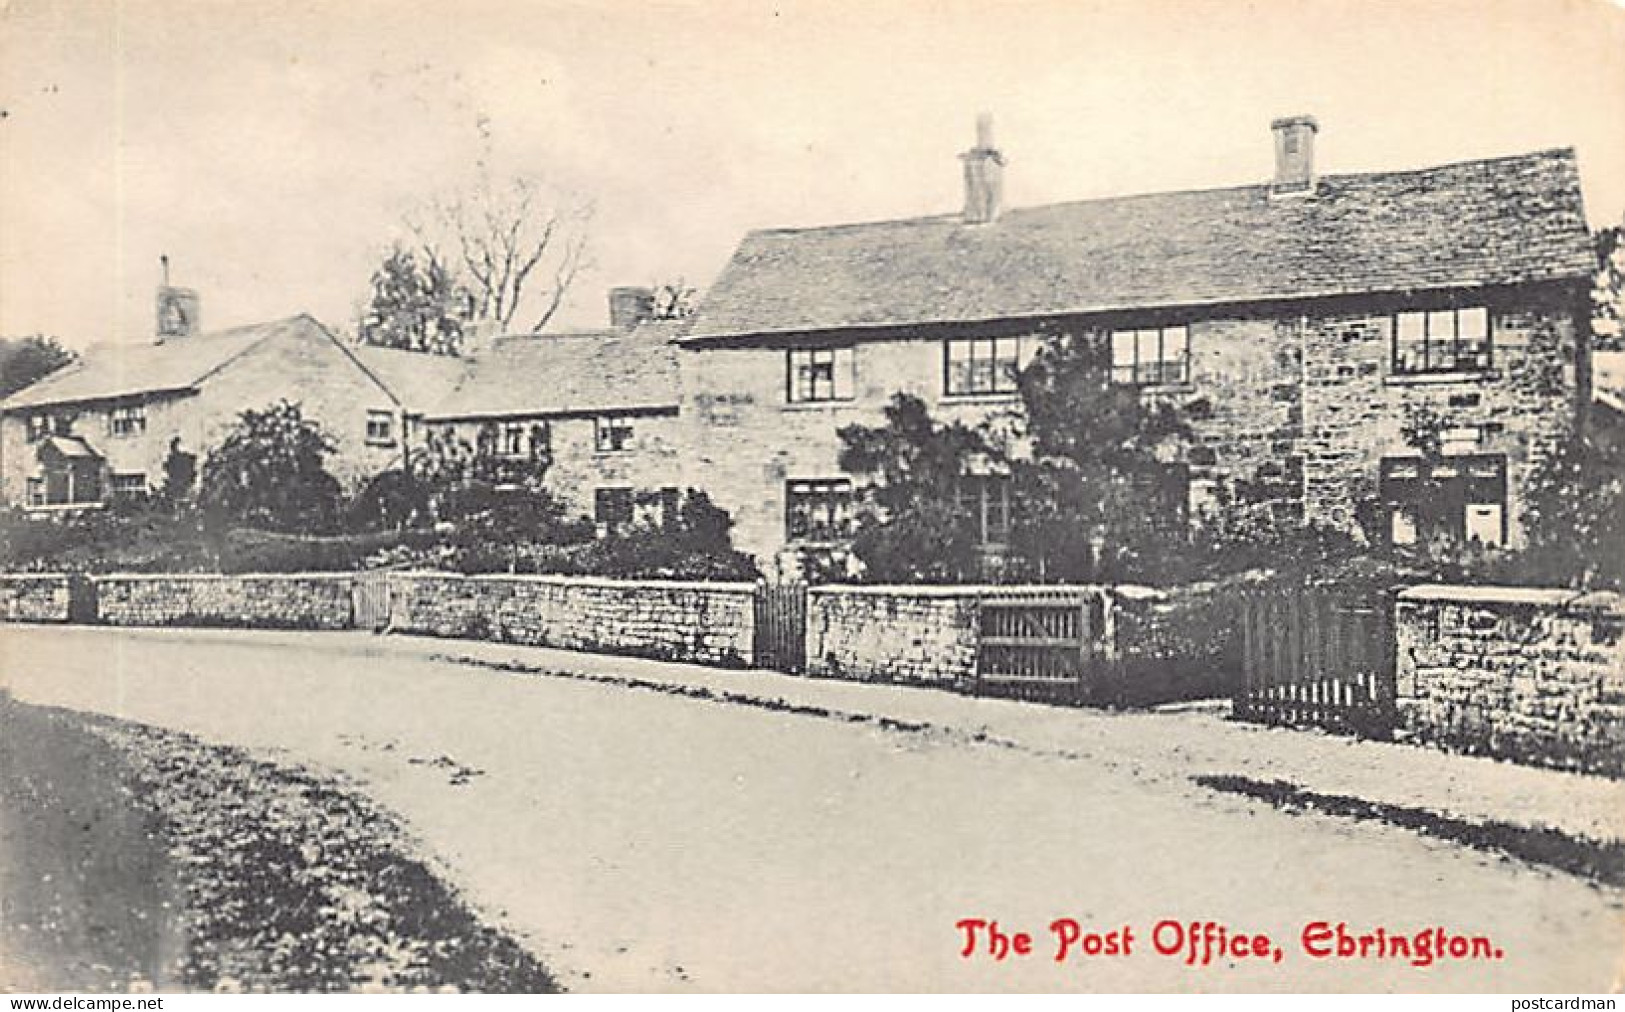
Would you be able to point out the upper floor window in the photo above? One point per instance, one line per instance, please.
(128, 420)
(612, 434)
(1442, 340)
(1151, 355)
(511, 439)
(984, 365)
(820, 374)
(818, 509)
(39, 426)
(380, 427)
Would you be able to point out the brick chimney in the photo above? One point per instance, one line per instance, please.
(178, 308)
(984, 175)
(630, 305)
(1294, 155)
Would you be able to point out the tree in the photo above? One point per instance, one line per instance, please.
(516, 247)
(27, 360)
(270, 472)
(674, 301)
(1100, 496)
(180, 474)
(1608, 292)
(415, 307)
(1575, 517)
(910, 527)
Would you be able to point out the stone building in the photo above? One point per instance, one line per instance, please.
(102, 428)
(600, 407)
(1297, 324)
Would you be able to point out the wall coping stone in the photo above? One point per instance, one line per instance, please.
(222, 576)
(556, 579)
(1550, 597)
(957, 589)
(35, 576)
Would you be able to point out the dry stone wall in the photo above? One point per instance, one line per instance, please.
(1532, 675)
(263, 601)
(920, 635)
(712, 623)
(34, 597)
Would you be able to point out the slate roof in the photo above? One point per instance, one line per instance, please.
(418, 380)
(552, 374)
(123, 370)
(1497, 221)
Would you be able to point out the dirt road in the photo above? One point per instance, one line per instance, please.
(637, 840)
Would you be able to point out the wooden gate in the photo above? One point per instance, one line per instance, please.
(1043, 643)
(781, 627)
(1319, 658)
(369, 601)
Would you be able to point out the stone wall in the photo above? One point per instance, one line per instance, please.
(1532, 675)
(919, 635)
(254, 601)
(707, 622)
(34, 597)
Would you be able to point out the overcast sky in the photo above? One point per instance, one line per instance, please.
(270, 148)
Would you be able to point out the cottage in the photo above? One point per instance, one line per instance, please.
(597, 409)
(1297, 324)
(101, 429)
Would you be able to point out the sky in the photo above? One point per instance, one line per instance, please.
(271, 149)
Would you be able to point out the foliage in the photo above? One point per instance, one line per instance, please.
(1608, 290)
(270, 472)
(415, 307)
(909, 527)
(180, 475)
(27, 360)
(390, 500)
(673, 301)
(1575, 519)
(1100, 499)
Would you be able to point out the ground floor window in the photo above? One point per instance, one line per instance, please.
(818, 509)
(612, 509)
(988, 502)
(129, 487)
(1461, 498)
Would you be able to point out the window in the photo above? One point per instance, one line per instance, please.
(818, 509)
(987, 500)
(820, 374)
(1151, 355)
(1442, 340)
(39, 426)
(657, 508)
(1461, 498)
(129, 487)
(985, 365)
(612, 434)
(612, 509)
(511, 440)
(129, 420)
(36, 492)
(380, 428)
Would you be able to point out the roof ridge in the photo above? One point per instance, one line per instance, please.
(948, 217)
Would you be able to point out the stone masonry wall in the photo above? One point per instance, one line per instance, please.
(707, 622)
(269, 601)
(1532, 675)
(34, 597)
(920, 635)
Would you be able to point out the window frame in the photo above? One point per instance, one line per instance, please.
(512, 440)
(127, 420)
(1002, 372)
(1140, 374)
(614, 495)
(117, 490)
(613, 434)
(834, 495)
(387, 437)
(1397, 366)
(1471, 479)
(842, 360)
(974, 496)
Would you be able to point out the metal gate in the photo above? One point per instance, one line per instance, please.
(781, 627)
(1319, 658)
(369, 602)
(1044, 643)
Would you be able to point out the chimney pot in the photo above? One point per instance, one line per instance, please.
(984, 175)
(630, 305)
(1294, 154)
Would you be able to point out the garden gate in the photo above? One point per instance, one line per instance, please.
(369, 601)
(1042, 642)
(1319, 657)
(781, 627)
